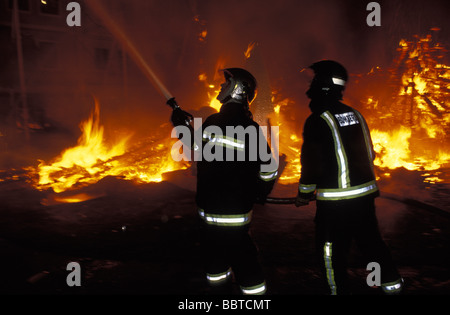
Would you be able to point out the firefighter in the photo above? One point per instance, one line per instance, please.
(227, 188)
(337, 171)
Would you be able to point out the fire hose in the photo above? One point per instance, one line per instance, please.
(282, 201)
(384, 195)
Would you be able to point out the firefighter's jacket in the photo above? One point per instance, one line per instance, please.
(337, 155)
(228, 188)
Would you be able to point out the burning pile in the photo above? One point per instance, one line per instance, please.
(411, 123)
(92, 159)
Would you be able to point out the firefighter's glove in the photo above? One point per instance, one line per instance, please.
(180, 117)
(301, 201)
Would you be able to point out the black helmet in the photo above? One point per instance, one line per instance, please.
(242, 86)
(329, 79)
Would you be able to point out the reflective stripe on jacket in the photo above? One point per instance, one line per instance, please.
(225, 219)
(337, 155)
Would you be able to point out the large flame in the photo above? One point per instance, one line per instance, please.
(410, 130)
(81, 163)
(92, 159)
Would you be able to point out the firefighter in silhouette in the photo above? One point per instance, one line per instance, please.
(337, 170)
(230, 183)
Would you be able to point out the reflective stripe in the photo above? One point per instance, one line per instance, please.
(225, 220)
(338, 81)
(225, 141)
(327, 256)
(343, 173)
(306, 188)
(257, 289)
(348, 193)
(218, 277)
(268, 176)
(393, 287)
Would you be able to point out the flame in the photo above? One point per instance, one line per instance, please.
(289, 140)
(92, 159)
(248, 52)
(213, 87)
(392, 148)
(393, 151)
(84, 157)
(411, 132)
(212, 92)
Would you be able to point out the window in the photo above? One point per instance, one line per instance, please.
(24, 5)
(49, 7)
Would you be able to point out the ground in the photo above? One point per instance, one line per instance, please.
(144, 240)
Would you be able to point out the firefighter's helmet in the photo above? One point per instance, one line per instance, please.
(240, 86)
(330, 78)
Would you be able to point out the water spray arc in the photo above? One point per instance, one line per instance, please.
(120, 35)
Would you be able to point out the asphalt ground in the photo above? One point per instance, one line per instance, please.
(144, 240)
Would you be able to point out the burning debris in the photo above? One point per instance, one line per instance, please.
(410, 117)
(92, 159)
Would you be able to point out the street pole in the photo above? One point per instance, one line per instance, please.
(23, 90)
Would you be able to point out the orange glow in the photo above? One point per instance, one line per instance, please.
(289, 141)
(212, 92)
(412, 131)
(213, 86)
(92, 159)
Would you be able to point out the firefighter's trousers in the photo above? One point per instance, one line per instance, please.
(230, 250)
(338, 224)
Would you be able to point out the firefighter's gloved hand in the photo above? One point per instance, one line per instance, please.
(301, 201)
(180, 117)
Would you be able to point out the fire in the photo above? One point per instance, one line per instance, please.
(213, 91)
(213, 87)
(289, 141)
(82, 159)
(412, 130)
(392, 148)
(250, 47)
(92, 159)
